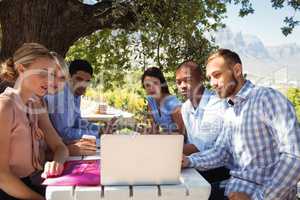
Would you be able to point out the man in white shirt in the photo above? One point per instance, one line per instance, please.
(202, 115)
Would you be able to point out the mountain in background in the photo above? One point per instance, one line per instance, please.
(262, 63)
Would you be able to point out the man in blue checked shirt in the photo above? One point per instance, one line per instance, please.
(260, 136)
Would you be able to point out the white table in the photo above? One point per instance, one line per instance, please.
(193, 187)
(112, 112)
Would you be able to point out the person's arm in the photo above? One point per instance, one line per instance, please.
(238, 196)
(215, 157)
(74, 147)
(60, 151)
(68, 123)
(154, 127)
(189, 149)
(280, 115)
(177, 118)
(69, 131)
(87, 127)
(9, 183)
(82, 147)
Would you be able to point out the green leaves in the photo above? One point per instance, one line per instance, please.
(294, 96)
(290, 25)
(108, 52)
(166, 33)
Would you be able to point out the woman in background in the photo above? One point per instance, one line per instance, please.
(164, 107)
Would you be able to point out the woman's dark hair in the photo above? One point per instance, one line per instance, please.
(156, 73)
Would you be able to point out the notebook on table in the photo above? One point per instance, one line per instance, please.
(77, 173)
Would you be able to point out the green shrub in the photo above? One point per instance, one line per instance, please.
(130, 97)
(294, 96)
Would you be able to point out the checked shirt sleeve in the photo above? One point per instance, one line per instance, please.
(215, 157)
(281, 117)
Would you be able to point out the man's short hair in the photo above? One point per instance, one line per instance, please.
(230, 57)
(80, 65)
(193, 65)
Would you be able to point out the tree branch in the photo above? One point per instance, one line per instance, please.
(65, 21)
(108, 14)
(86, 19)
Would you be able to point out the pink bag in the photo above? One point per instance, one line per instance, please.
(77, 173)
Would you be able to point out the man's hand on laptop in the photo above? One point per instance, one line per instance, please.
(82, 147)
(185, 161)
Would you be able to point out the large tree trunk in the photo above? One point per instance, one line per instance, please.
(57, 24)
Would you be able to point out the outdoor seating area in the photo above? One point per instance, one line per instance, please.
(149, 100)
(90, 111)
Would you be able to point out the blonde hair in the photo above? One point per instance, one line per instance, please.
(60, 61)
(25, 55)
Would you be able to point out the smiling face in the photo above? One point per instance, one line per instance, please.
(37, 75)
(223, 78)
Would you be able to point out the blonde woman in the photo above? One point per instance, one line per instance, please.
(61, 74)
(75, 147)
(20, 137)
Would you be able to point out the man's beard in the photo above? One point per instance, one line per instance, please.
(80, 91)
(229, 89)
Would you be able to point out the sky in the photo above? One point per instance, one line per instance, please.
(265, 23)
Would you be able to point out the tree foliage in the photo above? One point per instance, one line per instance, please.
(109, 55)
(119, 36)
(166, 33)
(58, 24)
(294, 96)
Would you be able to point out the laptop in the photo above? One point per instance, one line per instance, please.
(141, 159)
